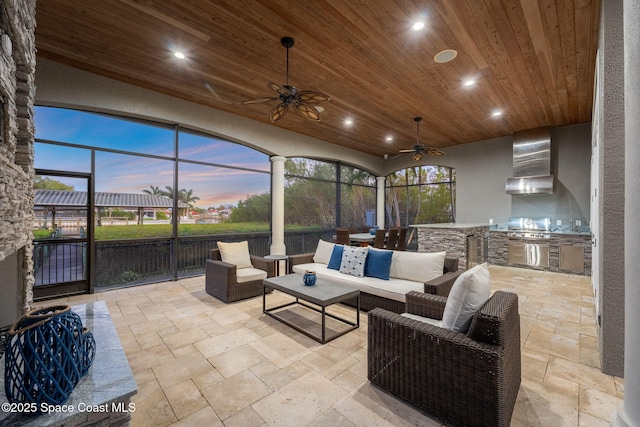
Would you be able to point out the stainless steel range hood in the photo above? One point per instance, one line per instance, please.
(531, 163)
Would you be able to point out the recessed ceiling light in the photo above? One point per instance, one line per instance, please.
(469, 82)
(348, 122)
(179, 55)
(389, 139)
(496, 113)
(445, 56)
(417, 26)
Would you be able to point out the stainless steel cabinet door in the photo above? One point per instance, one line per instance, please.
(517, 253)
(537, 254)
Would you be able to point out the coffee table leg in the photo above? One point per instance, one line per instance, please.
(323, 325)
(264, 299)
(358, 311)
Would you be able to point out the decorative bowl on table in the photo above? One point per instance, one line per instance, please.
(309, 278)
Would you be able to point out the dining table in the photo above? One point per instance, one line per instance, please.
(363, 239)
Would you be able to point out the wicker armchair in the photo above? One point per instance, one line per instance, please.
(464, 379)
(221, 280)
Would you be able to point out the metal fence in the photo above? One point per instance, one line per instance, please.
(142, 261)
(59, 261)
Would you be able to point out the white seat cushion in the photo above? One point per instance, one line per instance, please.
(249, 274)
(236, 253)
(469, 292)
(393, 289)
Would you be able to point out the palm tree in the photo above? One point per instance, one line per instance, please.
(187, 197)
(153, 190)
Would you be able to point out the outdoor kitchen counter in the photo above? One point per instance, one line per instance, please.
(498, 249)
(452, 225)
(452, 238)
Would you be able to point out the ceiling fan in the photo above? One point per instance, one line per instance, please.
(302, 100)
(418, 149)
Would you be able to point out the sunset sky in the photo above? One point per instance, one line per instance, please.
(124, 173)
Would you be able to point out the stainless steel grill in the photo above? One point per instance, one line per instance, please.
(529, 228)
(527, 241)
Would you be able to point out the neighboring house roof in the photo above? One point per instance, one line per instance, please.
(120, 200)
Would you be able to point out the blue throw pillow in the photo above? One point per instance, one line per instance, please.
(378, 263)
(336, 257)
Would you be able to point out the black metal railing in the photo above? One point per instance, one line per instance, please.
(142, 261)
(59, 261)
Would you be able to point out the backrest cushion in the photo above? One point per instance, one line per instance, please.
(417, 266)
(469, 292)
(236, 253)
(323, 252)
(378, 263)
(353, 259)
(336, 257)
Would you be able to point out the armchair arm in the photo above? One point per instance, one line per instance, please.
(220, 277)
(442, 285)
(268, 265)
(425, 305)
(299, 259)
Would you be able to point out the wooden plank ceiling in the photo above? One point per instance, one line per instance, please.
(531, 59)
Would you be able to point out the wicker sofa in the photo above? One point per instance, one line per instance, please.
(374, 292)
(468, 378)
(221, 279)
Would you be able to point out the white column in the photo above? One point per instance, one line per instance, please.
(380, 202)
(277, 206)
(628, 414)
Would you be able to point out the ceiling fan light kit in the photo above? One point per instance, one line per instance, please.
(418, 149)
(303, 102)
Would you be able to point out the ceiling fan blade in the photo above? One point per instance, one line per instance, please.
(273, 87)
(432, 151)
(313, 97)
(278, 112)
(307, 111)
(406, 151)
(260, 100)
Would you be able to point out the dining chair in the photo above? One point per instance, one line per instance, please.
(342, 236)
(402, 239)
(392, 239)
(378, 241)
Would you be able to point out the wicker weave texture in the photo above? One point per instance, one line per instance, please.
(221, 281)
(462, 379)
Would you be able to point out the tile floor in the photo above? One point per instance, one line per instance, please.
(200, 362)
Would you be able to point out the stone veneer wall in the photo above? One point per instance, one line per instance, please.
(17, 89)
(452, 240)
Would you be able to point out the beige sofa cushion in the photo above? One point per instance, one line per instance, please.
(417, 266)
(236, 253)
(249, 274)
(323, 252)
